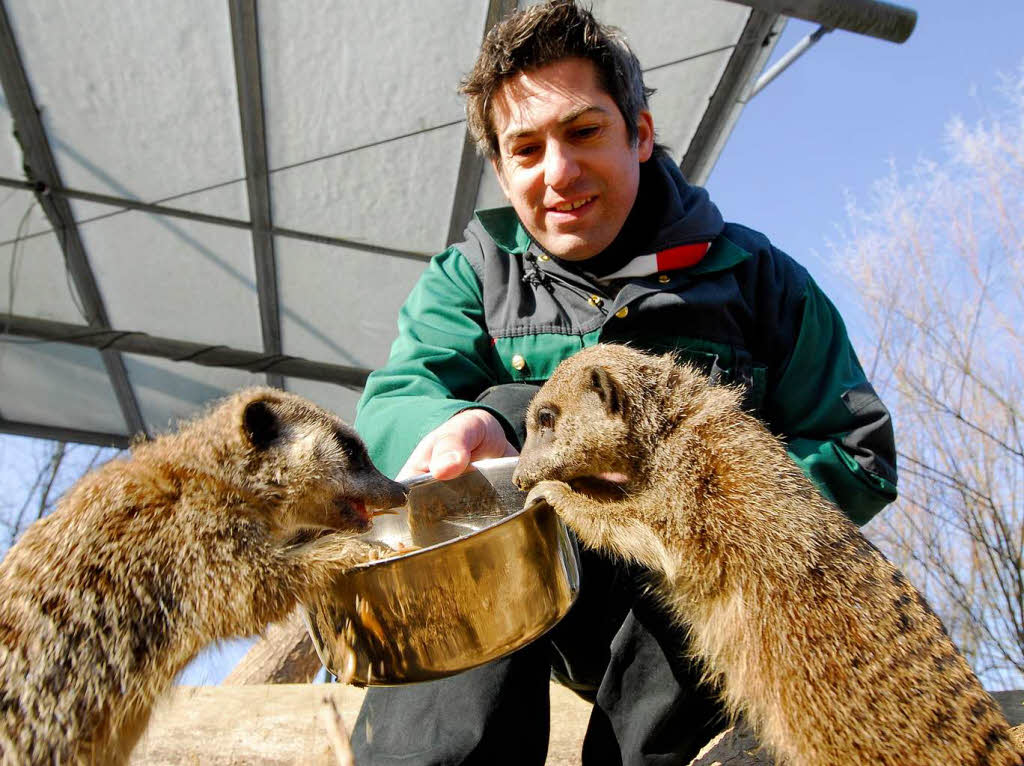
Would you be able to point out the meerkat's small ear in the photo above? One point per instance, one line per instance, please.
(260, 423)
(608, 390)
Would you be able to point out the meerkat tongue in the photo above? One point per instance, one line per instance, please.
(614, 477)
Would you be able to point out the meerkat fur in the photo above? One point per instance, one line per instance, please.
(826, 648)
(200, 535)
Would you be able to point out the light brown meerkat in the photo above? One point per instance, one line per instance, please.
(200, 535)
(829, 652)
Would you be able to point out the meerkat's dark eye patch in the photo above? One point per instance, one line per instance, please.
(352, 447)
(260, 424)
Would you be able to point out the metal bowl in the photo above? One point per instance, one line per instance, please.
(482, 577)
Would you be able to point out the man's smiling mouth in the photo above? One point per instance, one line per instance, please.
(568, 207)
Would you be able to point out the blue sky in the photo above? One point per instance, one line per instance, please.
(831, 124)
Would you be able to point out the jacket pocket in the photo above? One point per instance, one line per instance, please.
(532, 358)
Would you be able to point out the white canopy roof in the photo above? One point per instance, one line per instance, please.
(202, 195)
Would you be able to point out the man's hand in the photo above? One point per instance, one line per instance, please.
(449, 449)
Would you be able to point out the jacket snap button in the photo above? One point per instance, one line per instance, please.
(596, 300)
(543, 257)
(663, 278)
(621, 313)
(518, 362)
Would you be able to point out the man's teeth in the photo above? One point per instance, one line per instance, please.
(572, 205)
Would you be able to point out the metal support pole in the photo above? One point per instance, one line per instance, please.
(783, 63)
(245, 36)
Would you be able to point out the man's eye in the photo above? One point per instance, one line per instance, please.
(586, 131)
(524, 151)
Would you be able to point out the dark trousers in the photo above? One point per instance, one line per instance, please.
(616, 647)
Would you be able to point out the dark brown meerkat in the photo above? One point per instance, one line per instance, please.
(829, 652)
(200, 535)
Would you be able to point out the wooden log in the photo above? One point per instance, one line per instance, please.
(285, 655)
(257, 725)
(337, 733)
(279, 724)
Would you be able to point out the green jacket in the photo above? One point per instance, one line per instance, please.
(495, 309)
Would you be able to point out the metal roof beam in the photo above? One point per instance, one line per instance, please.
(755, 45)
(245, 38)
(182, 351)
(98, 438)
(472, 163)
(41, 167)
(864, 17)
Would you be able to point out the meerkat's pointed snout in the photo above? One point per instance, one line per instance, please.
(523, 476)
(381, 493)
(517, 479)
(394, 495)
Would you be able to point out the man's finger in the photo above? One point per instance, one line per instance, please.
(450, 456)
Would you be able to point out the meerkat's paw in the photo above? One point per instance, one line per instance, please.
(574, 509)
(552, 492)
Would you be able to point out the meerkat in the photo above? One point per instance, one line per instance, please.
(824, 646)
(200, 535)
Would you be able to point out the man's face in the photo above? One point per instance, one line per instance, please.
(565, 161)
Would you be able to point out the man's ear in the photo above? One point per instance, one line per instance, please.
(644, 135)
(260, 424)
(608, 391)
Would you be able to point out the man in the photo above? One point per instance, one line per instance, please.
(604, 241)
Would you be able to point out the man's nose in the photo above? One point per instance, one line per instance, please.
(560, 165)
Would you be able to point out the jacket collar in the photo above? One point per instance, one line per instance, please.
(502, 225)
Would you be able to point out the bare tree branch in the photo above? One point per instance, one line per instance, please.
(938, 258)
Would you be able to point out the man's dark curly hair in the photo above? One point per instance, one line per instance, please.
(544, 34)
